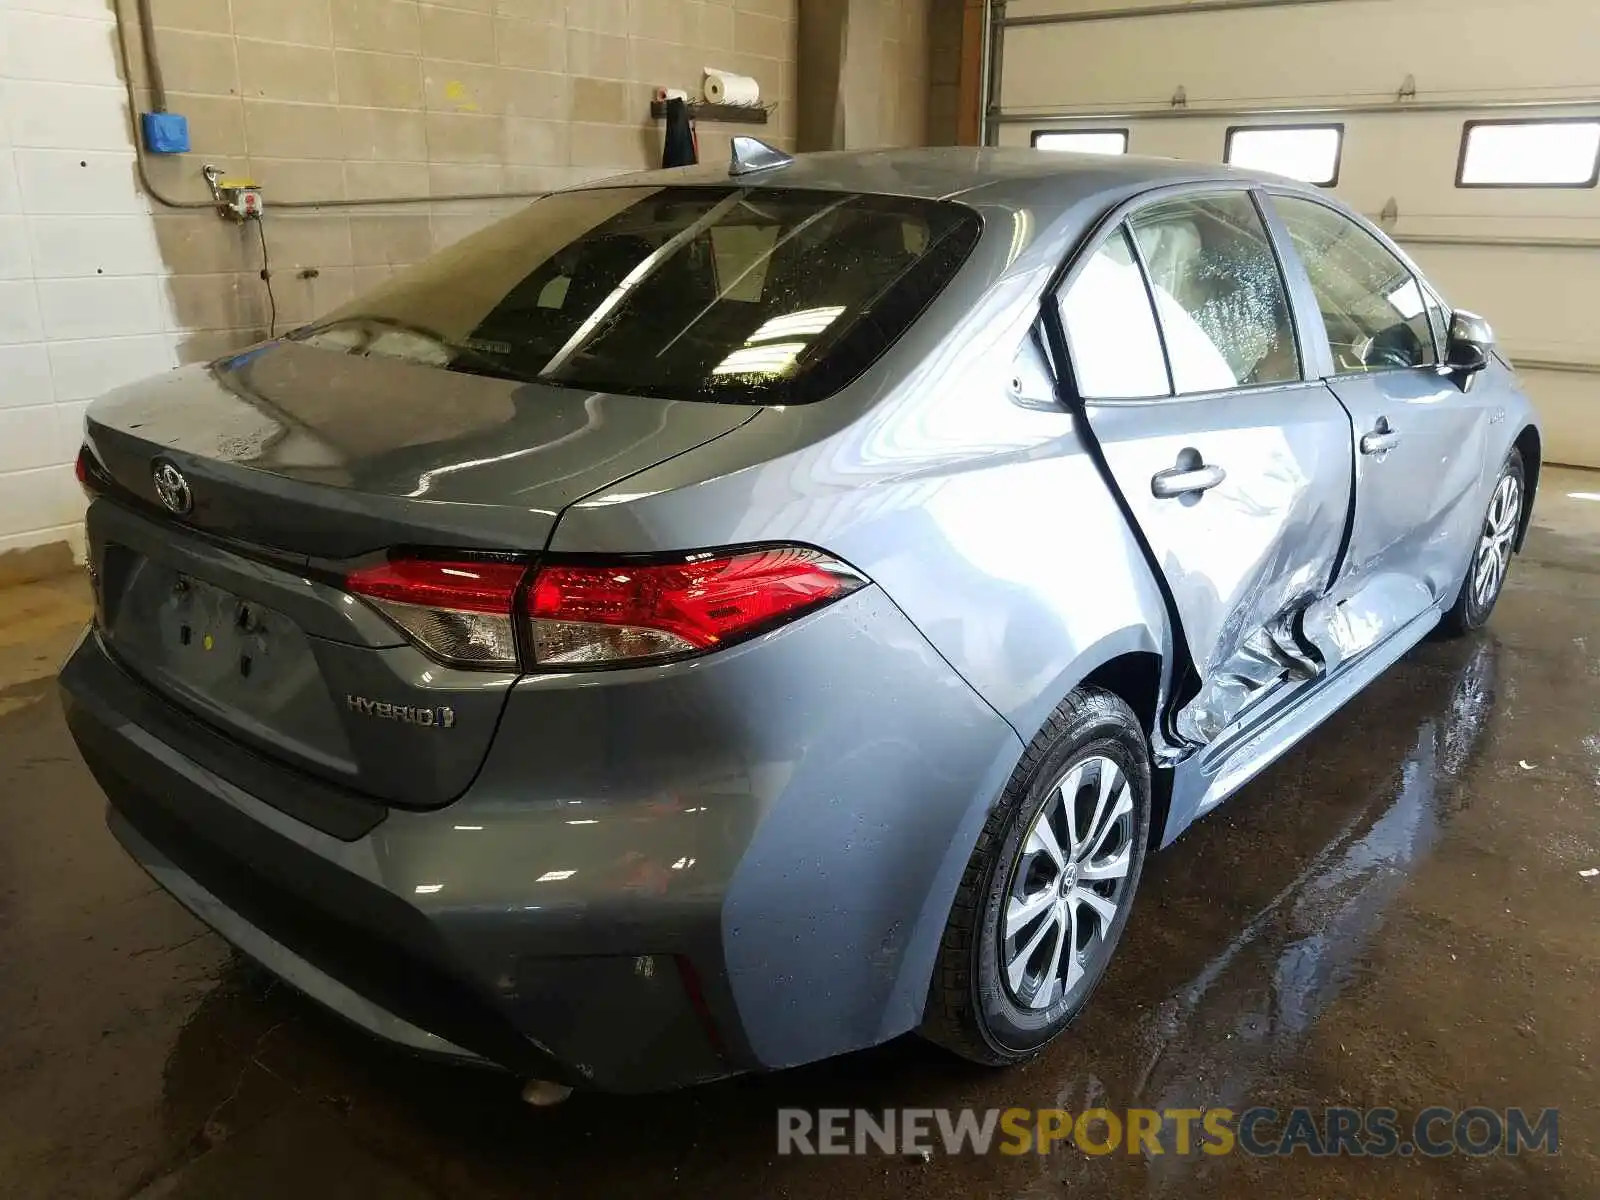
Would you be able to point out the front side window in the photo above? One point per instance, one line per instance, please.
(1375, 312)
(1218, 292)
(1111, 330)
(736, 294)
(1439, 318)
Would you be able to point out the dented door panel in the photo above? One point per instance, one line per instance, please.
(1351, 620)
(1418, 505)
(1245, 557)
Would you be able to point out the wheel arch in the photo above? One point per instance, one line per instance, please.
(1528, 442)
(1132, 664)
(1136, 678)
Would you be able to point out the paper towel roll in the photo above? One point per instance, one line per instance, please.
(724, 87)
(663, 94)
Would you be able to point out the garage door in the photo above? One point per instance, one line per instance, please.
(1469, 129)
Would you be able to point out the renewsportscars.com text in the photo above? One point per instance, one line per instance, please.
(1261, 1132)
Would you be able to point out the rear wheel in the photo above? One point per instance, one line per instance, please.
(1048, 889)
(1491, 555)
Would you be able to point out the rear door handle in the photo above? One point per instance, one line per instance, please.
(1381, 438)
(1180, 481)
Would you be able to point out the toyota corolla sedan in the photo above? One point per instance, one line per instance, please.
(721, 618)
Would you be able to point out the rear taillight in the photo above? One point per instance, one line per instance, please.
(463, 612)
(90, 477)
(598, 615)
(466, 613)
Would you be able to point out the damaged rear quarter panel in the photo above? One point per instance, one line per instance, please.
(985, 523)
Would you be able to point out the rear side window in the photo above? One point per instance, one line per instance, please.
(1111, 330)
(738, 294)
(1376, 314)
(1218, 291)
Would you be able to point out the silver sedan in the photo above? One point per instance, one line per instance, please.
(721, 618)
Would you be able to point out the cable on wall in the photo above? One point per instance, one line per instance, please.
(266, 278)
(152, 61)
(146, 32)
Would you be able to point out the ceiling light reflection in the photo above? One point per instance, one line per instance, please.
(808, 322)
(770, 358)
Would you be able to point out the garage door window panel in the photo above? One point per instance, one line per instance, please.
(1309, 153)
(1219, 294)
(1082, 141)
(1530, 154)
(1375, 310)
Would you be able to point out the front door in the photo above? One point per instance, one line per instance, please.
(1418, 440)
(1236, 469)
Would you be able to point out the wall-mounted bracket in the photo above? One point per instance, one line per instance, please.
(726, 114)
(236, 199)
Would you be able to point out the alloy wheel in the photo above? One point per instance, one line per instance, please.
(1068, 884)
(1500, 526)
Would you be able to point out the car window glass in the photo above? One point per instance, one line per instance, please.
(1218, 292)
(1439, 318)
(1375, 312)
(739, 294)
(1116, 351)
(740, 254)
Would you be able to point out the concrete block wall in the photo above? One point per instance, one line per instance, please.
(944, 69)
(83, 301)
(379, 99)
(315, 100)
(863, 67)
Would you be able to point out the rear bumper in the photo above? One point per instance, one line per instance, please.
(277, 957)
(659, 877)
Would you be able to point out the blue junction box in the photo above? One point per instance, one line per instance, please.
(165, 133)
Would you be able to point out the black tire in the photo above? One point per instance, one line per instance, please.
(972, 1009)
(1470, 610)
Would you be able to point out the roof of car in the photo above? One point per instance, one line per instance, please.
(1001, 174)
(1039, 203)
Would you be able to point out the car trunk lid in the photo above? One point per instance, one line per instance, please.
(313, 452)
(301, 466)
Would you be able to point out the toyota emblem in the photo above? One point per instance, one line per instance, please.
(173, 488)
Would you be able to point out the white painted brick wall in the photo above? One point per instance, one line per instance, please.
(83, 306)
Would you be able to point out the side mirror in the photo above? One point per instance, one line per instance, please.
(1471, 343)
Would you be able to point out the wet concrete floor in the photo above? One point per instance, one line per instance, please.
(1392, 916)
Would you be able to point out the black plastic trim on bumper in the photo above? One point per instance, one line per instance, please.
(341, 924)
(354, 932)
(614, 1021)
(332, 810)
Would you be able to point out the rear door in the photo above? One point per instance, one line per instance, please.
(1418, 440)
(1235, 467)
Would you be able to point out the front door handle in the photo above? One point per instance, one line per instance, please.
(1182, 480)
(1381, 439)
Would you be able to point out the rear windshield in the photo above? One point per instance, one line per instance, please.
(739, 294)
